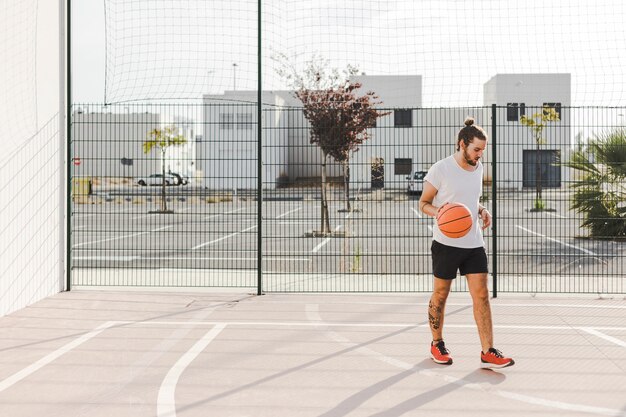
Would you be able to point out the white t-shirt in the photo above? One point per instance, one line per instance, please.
(457, 185)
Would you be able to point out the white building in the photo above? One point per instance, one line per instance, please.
(408, 138)
(229, 147)
(526, 94)
(111, 144)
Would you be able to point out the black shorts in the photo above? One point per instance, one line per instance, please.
(447, 260)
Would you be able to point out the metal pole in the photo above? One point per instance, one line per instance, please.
(68, 144)
(62, 135)
(259, 160)
(494, 199)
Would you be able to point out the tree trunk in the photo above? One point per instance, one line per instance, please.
(346, 183)
(538, 176)
(163, 202)
(324, 200)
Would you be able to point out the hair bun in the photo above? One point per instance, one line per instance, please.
(469, 121)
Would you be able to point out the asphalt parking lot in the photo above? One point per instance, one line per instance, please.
(386, 237)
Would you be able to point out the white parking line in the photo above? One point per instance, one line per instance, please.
(588, 252)
(120, 237)
(81, 215)
(221, 214)
(416, 212)
(289, 212)
(151, 215)
(166, 400)
(325, 241)
(222, 238)
(18, 376)
(556, 215)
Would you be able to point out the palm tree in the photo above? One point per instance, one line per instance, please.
(601, 193)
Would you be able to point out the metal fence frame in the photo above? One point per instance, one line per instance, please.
(494, 119)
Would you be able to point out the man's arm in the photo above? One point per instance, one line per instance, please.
(426, 200)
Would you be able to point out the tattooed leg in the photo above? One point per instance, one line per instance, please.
(437, 307)
(434, 316)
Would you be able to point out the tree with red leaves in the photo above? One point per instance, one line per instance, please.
(338, 116)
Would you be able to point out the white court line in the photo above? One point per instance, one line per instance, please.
(620, 307)
(166, 400)
(18, 376)
(289, 212)
(121, 237)
(374, 325)
(312, 313)
(557, 241)
(173, 258)
(222, 238)
(601, 335)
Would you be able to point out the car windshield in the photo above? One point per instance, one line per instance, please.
(419, 175)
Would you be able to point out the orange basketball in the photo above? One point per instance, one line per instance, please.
(454, 220)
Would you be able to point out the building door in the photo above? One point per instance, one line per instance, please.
(549, 171)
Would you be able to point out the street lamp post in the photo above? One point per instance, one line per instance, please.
(234, 76)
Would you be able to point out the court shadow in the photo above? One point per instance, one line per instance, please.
(479, 376)
(485, 376)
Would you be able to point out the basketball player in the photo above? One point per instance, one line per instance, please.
(458, 178)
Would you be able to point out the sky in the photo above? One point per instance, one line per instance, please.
(162, 50)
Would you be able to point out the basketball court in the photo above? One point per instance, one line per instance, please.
(142, 353)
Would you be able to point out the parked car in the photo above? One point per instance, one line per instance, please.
(157, 179)
(180, 178)
(415, 184)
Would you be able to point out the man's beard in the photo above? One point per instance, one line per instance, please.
(469, 160)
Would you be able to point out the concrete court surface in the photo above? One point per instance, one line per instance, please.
(147, 353)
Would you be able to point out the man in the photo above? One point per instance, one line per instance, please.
(458, 179)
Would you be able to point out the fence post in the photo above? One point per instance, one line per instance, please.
(68, 144)
(259, 223)
(494, 199)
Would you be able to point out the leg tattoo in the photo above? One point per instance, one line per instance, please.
(434, 315)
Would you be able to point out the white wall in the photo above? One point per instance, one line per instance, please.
(512, 137)
(101, 140)
(31, 170)
(286, 138)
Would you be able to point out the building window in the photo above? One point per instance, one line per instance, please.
(226, 121)
(402, 166)
(514, 111)
(244, 121)
(403, 118)
(549, 171)
(555, 106)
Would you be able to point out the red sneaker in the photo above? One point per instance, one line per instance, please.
(440, 354)
(494, 359)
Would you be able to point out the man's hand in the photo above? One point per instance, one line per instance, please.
(485, 216)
